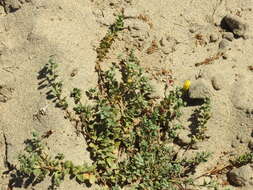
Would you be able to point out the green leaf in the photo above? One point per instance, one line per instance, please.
(80, 178)
(37, 172)
(68, 164)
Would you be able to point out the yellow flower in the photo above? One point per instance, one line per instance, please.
(187, 85)
(129, 80)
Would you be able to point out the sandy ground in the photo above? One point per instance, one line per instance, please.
(167, 35)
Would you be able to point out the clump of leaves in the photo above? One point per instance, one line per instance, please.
(56, 85)
(128, 132)
(202, 115)
(109, 38)
(243, 159)
(76, 94)
(36, 165)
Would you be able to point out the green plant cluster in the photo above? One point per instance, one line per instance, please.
(56, 85)
(129, 135)
(243, 159)
(36, 165)
(109, 38)
(128, 132)
(202, 115)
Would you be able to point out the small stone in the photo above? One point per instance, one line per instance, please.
(184, 138)
(223, 44)
(216, 83)
(162, 42)
(214, 37)
(225, 55)
(228, 35)
(241, 176)
(235, 25)
(195, 146)
(199, 90)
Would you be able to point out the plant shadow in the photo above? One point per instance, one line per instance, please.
(45, 83)
(20, 180)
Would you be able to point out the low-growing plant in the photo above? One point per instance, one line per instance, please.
(55, 85)
(243, 159)
(76, 94)
(202, 115)
(213, 185)
(109, 38)
(129, 133)
(36, 165)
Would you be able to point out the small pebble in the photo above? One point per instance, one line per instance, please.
(228, 35)
(162, 42)
(214, 37)
(216, 83)
(223, 44)
(195, 146)
(225, 55)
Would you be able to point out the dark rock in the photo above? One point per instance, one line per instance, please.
(235, 24)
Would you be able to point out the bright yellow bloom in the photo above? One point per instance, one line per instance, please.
(129, 80)
(187, 85)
